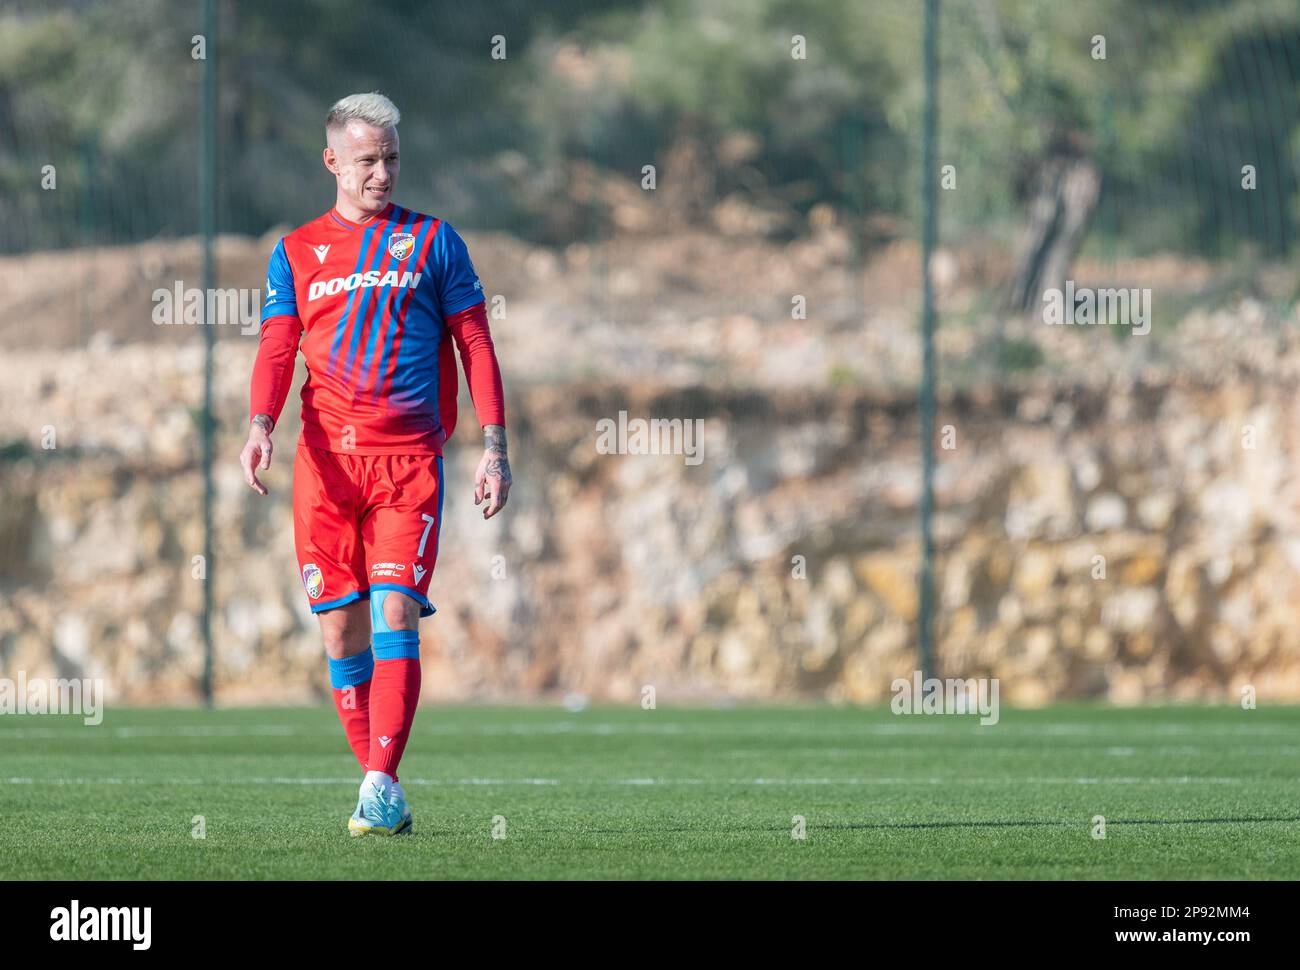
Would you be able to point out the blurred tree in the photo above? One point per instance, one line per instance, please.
(1040, 130)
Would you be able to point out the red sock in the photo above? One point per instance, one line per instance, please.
(350, 679)
(353, 705)
(394, 694)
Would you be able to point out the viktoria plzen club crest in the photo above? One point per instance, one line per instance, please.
(313, 580)
(400, 245)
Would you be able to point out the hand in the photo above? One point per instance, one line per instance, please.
(257, 452)
(492, 480)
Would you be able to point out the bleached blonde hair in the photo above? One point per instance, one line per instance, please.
(373, 109)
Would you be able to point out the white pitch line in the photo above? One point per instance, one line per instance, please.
(203, 731)
(1025, 750)
(171, 781)
(965, 727)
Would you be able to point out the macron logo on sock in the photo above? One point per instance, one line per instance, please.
(385, 741)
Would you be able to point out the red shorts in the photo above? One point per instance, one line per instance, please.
(365, 522)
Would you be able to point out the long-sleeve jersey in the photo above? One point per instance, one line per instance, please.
(376, 309)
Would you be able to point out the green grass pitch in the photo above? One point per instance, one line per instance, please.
(694, 793)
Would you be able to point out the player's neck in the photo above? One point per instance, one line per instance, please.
(356, 216)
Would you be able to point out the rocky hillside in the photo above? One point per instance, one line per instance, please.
(1111, 539)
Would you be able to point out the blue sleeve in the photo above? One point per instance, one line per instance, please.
(280, 298)
(458, 284)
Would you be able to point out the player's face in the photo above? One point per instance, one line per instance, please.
(365, 164)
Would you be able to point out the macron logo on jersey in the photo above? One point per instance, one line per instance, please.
(371, 278)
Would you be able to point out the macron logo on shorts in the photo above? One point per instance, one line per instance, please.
(369, 278)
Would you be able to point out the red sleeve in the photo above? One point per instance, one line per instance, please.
(469, 328)
(277, 350)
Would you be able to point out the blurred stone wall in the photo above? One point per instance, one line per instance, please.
(1119, 541)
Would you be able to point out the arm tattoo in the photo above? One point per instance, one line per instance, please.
(264, 422)
(494, 439)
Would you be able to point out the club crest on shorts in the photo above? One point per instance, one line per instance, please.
(312, 580)
(400, 245)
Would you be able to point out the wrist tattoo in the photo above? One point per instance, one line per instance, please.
(264, 422)
(494, 438)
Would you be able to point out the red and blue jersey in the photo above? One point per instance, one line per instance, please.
(375, 307)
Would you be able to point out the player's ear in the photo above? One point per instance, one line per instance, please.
(331, 160)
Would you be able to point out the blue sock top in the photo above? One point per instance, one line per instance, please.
(351, 671)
